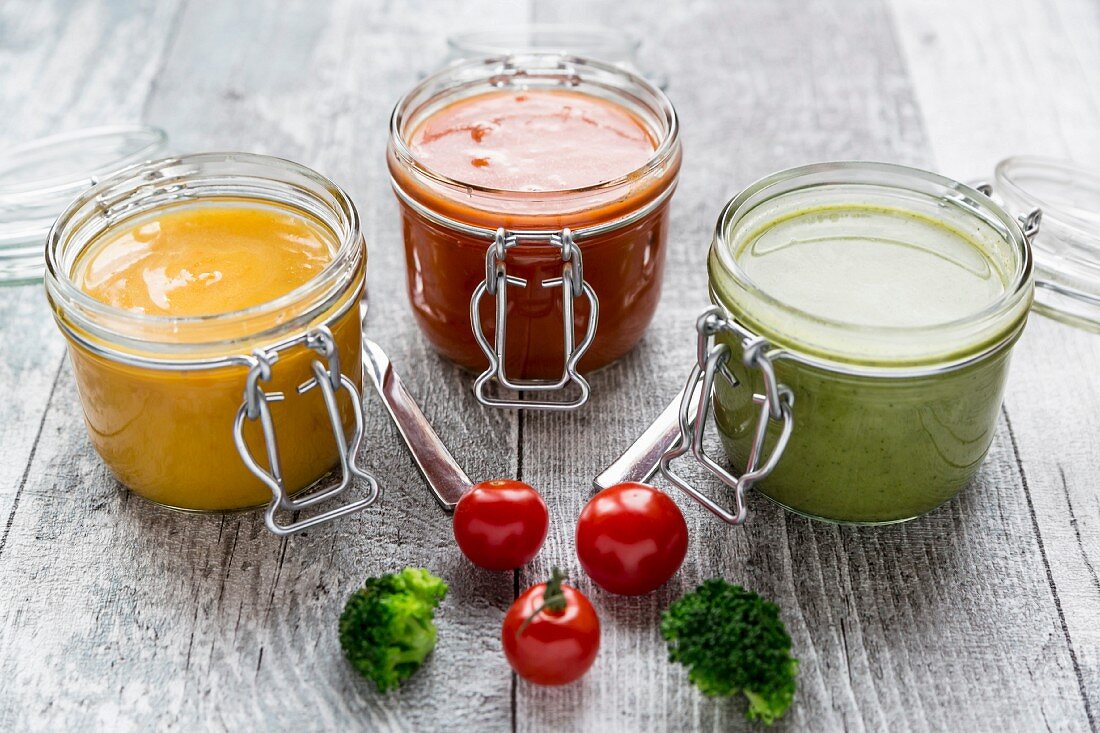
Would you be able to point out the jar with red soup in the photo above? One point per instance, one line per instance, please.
(534, 193)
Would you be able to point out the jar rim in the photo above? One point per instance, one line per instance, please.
(520, 64)
(142, 183)
(1017, 289)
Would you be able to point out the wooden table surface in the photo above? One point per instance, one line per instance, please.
(983, 615)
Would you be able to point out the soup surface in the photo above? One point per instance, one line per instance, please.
(868, 266)
(533, 140)
(204, 259)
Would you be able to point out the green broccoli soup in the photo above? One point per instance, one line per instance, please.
(891, 314)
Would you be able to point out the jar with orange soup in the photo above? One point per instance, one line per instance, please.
(211, 305)
(534, 193)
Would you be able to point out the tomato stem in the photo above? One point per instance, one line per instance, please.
(553, 598)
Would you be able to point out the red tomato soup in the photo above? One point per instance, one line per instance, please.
(544, 140)
(535, 146)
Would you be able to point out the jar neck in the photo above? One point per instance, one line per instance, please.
(191, 180)
(542, 210)
(858, 346)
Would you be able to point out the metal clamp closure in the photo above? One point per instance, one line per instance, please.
(330, 380)
(775, 406)
(1029, 222)
(496, 283)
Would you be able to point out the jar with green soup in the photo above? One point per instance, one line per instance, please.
(856, 351)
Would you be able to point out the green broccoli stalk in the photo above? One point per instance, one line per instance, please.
(732, 640)
(387, 626)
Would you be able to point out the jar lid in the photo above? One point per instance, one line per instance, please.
(1067, 246)
(605, 44)
(40, 178)
(611, 45)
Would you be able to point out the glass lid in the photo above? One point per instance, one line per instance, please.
(611, 45)
(1067, 245)
(40, 178)
(605, 44)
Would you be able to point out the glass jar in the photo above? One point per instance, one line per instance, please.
(843, 422)
(186, 411)
(495, 277)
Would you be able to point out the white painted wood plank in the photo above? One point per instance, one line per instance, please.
(54, 77)
(1000, 79)
(1052, 405)
(1032, 81)
(947, 623)
(68, 64)
(117, 614)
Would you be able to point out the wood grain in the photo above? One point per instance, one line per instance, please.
(1052, 396)
(925, 626)
(1019, 78)
(115, 614)
(145, 618)
(55, 78)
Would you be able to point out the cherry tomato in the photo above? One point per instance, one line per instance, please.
(631, 538)
(500, 525)
(551, 633)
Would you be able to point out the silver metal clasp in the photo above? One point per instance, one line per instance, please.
(775, 406)
(330, 380)
(1029, 222)
(496, 283)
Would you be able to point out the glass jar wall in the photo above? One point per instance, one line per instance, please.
(451, 226)
(895, 401)
(162, 394)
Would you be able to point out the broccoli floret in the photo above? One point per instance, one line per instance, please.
(387, 626)
(731, 640)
